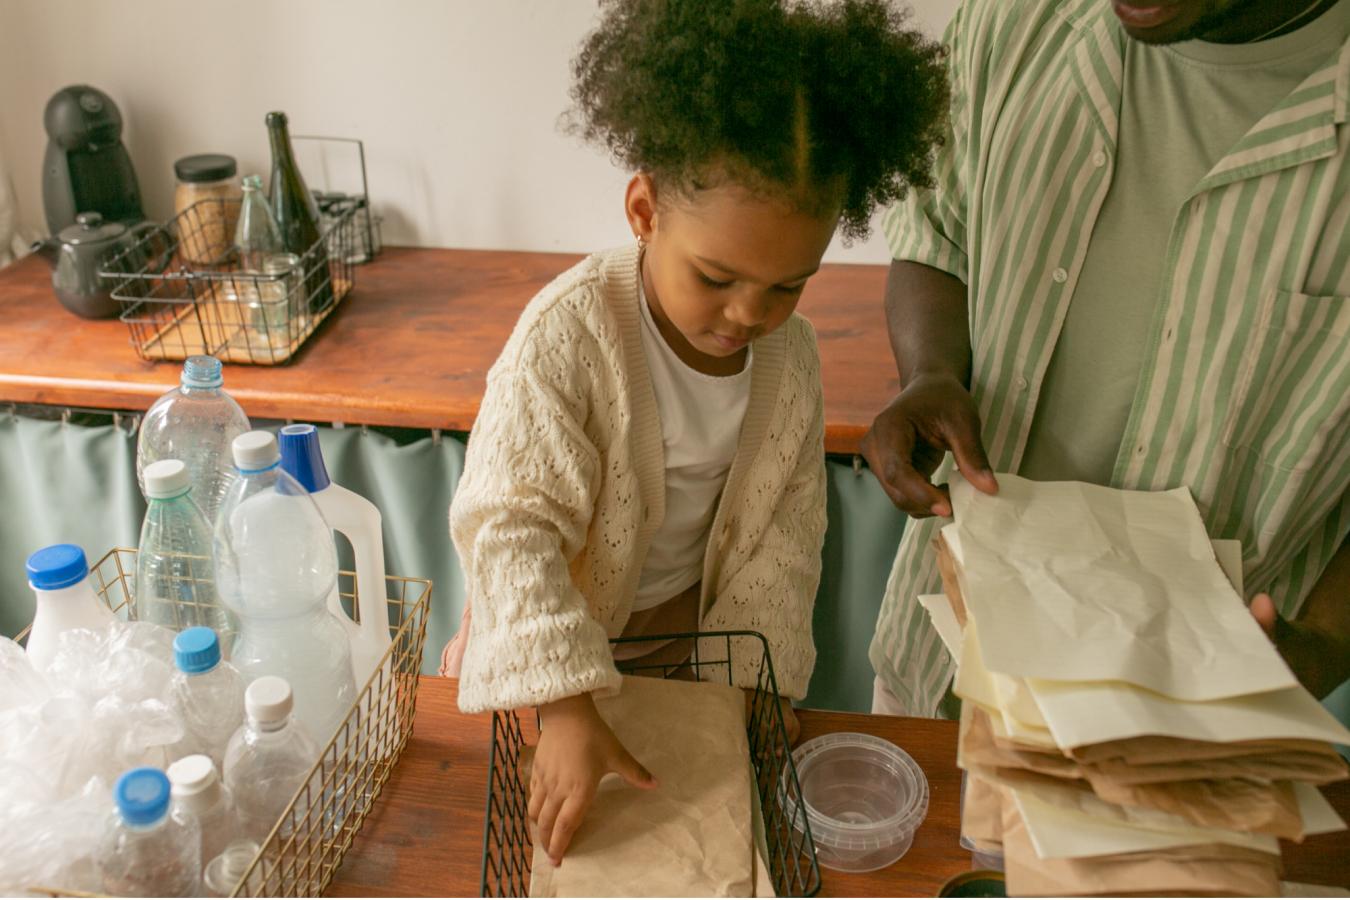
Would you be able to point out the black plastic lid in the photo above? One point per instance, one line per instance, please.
(205, 167)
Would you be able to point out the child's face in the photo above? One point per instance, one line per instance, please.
(724, 267)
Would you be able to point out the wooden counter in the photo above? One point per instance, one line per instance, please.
(409, 347)
(425, 835)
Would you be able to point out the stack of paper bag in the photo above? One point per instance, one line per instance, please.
(1126, 725)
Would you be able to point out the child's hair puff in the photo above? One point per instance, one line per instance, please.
(817, 101)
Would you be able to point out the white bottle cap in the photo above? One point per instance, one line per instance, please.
(255, 450)
(193, 775)
(166, 478)
(268, 699)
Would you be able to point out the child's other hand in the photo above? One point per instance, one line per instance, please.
(794, 728)
(576, 749)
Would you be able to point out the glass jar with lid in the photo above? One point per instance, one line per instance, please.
(206, 201)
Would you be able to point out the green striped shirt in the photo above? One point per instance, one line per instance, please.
(1244, 392)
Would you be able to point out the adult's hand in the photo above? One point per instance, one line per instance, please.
(907, 441)
(1318, 659)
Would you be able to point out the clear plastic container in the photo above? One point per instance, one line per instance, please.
(195, 423)
(224, 872)
(276, 564)
(59, 576)
(207, 694)
(197, 791)
(268, 758)
(175, 576)
(147, 851)
(864, 800)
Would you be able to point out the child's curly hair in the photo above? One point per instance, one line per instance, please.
(820, 101)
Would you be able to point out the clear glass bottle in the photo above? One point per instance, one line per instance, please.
(208, 695)
(146, 851)
(256, 236)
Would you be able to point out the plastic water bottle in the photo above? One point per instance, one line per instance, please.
(194, 423)
(59, 576)
(224, 873)
(208, 695)
(275, 567)
(268, 758)
(358, 520)
(175, 575)
(198, 792)
(147, 852)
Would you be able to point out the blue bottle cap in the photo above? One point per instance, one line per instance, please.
(202, 372)
(142, 796)
(302, 457)
(58, 566)
(196, 650)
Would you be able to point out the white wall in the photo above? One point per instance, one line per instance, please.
(457, 101)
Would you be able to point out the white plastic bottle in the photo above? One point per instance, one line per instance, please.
(207, 693)
(59, 576)
(275, 567)
(198, 791)
(175, 575)
(268, 758)
(147, 851)
(195, 423)
(358, 520)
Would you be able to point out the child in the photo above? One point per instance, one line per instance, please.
(649, 455)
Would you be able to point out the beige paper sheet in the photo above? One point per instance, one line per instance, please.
(1057, 572)
(691, 836)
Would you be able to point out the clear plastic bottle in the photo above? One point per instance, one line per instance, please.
(275, 567)
(195, 423)
(59, 576)
(207, 693)
(175, 573)
(197, 791)
(224, 873)
(268, 758)
(256, 236)
(147, 851)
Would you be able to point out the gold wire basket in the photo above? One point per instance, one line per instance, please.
(304, 850)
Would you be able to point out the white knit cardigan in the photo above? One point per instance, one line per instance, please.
(564, 487)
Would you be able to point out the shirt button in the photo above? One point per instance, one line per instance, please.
(1021, 383)
(1099, 159)
(1060, 276)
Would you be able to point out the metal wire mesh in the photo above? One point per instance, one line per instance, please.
(508, 848)
(304, 850)
(184, 295)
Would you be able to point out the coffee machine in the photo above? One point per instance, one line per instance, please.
(86, 167)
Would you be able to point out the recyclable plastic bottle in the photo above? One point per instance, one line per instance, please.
(268, 758)
(224, 873)
(275, 567)
(148, 852)
(358, 520)
(194, 423)
(198, 792)
(59, 576)
(175, 575)
(208, 695)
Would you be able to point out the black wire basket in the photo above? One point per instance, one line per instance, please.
(507, 846)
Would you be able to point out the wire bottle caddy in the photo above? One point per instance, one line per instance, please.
(791, 856)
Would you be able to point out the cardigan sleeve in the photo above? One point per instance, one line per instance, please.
(520, 515)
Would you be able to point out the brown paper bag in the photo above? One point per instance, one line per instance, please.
(951, 586)
(982, 813)
(1153, 750)
(691, 836)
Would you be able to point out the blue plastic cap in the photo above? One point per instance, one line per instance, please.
(196, 650)
(302, 457)
(142, 796)
(58, 566)
(202, 372)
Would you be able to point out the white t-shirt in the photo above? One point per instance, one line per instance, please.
(701, 428)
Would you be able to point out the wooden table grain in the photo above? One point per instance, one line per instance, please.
(409, 347)
(424, 836)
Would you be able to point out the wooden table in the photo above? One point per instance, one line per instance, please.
(409, 347)
(425, 835)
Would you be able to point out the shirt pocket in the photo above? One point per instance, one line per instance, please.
(1293, 390)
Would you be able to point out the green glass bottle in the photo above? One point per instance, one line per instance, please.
(297, 215)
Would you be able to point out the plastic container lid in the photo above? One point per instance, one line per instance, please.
(302, 457)
(56, 567)
(166, 479)
(202, 372)
(205, 167)
(197, 649)
(142, 796)
(863, 796)
(255, 451)
(268, 699)
(193, 774)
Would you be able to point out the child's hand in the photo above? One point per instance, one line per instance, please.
(794, 728)
(576, 749)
